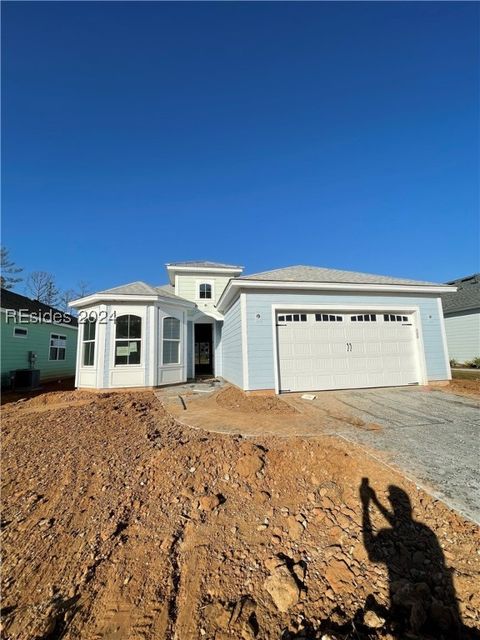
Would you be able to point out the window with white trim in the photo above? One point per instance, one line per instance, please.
(390, 317)
(128, 339)
(20, 332)
(171, 340)
(205, 291)
(58, 347)
(89, 330)
(327, 317)
(293, 317)
(366, 317)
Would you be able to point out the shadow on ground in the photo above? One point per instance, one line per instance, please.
(423, 602)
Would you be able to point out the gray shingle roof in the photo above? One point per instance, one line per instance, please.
(301, 273)
(203, 264)
(466, 298)
(168, 291)
(17, 302)
(140, 288)
(133, 288)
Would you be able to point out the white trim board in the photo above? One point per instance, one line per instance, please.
(415, 310)
(444, 338)
(131, 298)
(243, 321)
(236, 284)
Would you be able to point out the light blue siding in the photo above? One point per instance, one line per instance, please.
(232, 345)
(190, 349)
(260, 333)
(463, 335)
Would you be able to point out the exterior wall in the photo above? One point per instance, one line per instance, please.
(186, 286)
(463, 335)
(232, 345)
(261, 333)
(151, 371)
(190, 368)
(15, 350)
(218, 358)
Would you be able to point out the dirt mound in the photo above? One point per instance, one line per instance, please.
(118, 522)
(464, 387)
(235, 399)
(61, 397)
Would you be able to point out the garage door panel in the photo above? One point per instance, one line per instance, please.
(322, 348)
(338, 348)
(389, 347)
(343, 354)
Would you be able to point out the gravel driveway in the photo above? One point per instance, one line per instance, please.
(433, 436)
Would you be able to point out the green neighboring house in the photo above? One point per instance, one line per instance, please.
(36, 336)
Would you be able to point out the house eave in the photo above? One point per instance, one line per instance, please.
(234, 287)
(112, 297)
(172, 269)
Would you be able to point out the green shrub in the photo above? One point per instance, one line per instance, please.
(453, 362)
(474, 364)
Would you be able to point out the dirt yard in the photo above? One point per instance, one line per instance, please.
(120, 523)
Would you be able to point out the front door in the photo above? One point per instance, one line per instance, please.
(203, 350)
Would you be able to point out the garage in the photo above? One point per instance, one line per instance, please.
(328, 349)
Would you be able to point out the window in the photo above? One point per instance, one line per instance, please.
(367, 317)
(89, 329)
(205, 291)
(294, 317)
(327, 317)
(20, 332)
(128, 335)
(171, 341)
(390, 317)
(58, 346)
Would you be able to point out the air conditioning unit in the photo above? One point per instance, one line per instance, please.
(26, 379)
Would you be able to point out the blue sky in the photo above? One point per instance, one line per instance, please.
(265, 134)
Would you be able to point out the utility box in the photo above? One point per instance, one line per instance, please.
(26, 379)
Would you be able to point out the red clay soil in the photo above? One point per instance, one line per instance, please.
(120, 523)
(233, 398)
(464, 387)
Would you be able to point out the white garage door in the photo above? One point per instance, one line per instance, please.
(331, 350)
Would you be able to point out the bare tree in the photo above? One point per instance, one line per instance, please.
(41, 286)
(64, 298)
(8, 269)
(82, 290)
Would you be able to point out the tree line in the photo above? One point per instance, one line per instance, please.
(39, 285)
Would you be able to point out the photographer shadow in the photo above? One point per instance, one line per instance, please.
(422, 593)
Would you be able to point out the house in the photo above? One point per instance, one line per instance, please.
(461, 310)
(293, 329)
(36, 336)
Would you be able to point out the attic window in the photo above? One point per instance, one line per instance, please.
(205, 291)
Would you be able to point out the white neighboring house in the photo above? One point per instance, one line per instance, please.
(462, 318)
(291, 329)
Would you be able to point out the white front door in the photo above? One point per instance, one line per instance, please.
(334, 350)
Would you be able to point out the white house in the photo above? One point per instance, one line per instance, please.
(293, 329)
(462, 319)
